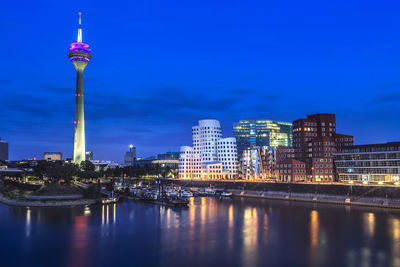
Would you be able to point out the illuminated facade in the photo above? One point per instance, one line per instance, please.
(258, 163)
(80, 56)
(259, 133)
(52, 156)
(209, 150)
(369, 163)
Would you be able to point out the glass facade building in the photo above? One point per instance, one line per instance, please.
(369, 163)
(259, 133)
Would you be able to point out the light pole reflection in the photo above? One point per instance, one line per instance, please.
(28, 222)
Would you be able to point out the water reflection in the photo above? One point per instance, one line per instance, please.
(230, 228)
(210, 232)
(395, 233)
(369, 223)
(250, 236)
(80, 250)
(115, 213)
(314, 228)
(314, 237)
(28, 222)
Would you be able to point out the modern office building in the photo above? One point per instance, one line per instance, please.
(89, 155)
(258, 163)
(314, 142)
(52, 156)
(130, 156)
(369, 163)
(259, 133)
(169, 160)
(209, 151)
(4, 148)
(80, 56)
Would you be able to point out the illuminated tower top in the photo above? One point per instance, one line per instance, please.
(79, 51)
(80, 28)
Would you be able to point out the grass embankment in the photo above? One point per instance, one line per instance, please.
(57, 190)
(13, 192)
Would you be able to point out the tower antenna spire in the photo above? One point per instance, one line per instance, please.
(80, 29)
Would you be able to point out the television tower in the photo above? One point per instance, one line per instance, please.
(80, 56)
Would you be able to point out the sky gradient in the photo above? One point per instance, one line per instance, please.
(160, 66)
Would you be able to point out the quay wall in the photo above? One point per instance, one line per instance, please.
(372, 196)
(326, 189)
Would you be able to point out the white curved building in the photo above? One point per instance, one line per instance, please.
(208, 147)
(186, 162)
(227, 154)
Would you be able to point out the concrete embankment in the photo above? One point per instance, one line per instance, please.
(374, 196)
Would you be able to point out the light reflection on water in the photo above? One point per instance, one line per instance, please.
(28, 222)
(314, 237)
(234, 232)
(369, 224)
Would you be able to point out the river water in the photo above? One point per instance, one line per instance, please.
(211, 232)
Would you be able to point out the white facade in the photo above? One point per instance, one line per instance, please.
(186, 156)
(227, 154)
(208, 146)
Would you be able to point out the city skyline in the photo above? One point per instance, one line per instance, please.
(258, 67)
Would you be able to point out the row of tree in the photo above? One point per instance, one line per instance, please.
(59, 170)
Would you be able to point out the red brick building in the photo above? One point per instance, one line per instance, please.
(284, 152)
(315, 138)
(291, 170)
(323, 169)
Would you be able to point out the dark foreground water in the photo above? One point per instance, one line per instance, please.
(211, 232)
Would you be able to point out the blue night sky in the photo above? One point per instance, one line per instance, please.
(160, 66)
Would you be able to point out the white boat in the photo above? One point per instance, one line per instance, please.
(209, 191)
(226, 194)
(187, 194)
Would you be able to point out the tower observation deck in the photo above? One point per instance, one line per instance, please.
(80, 56)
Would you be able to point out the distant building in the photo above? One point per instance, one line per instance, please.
(259, 133)
(53, 156)
(369, 163)
(3, 150)
(130, 156)
(209, 151)
(315, 140)
(166, 161)
(89, 155)
(104, 164)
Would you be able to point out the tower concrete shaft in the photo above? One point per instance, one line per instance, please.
(80, 57)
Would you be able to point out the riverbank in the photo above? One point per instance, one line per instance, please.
(377, 196)
(47, 203)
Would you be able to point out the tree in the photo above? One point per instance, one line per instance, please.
(87, 170)
(56, 171)
(87, 166)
